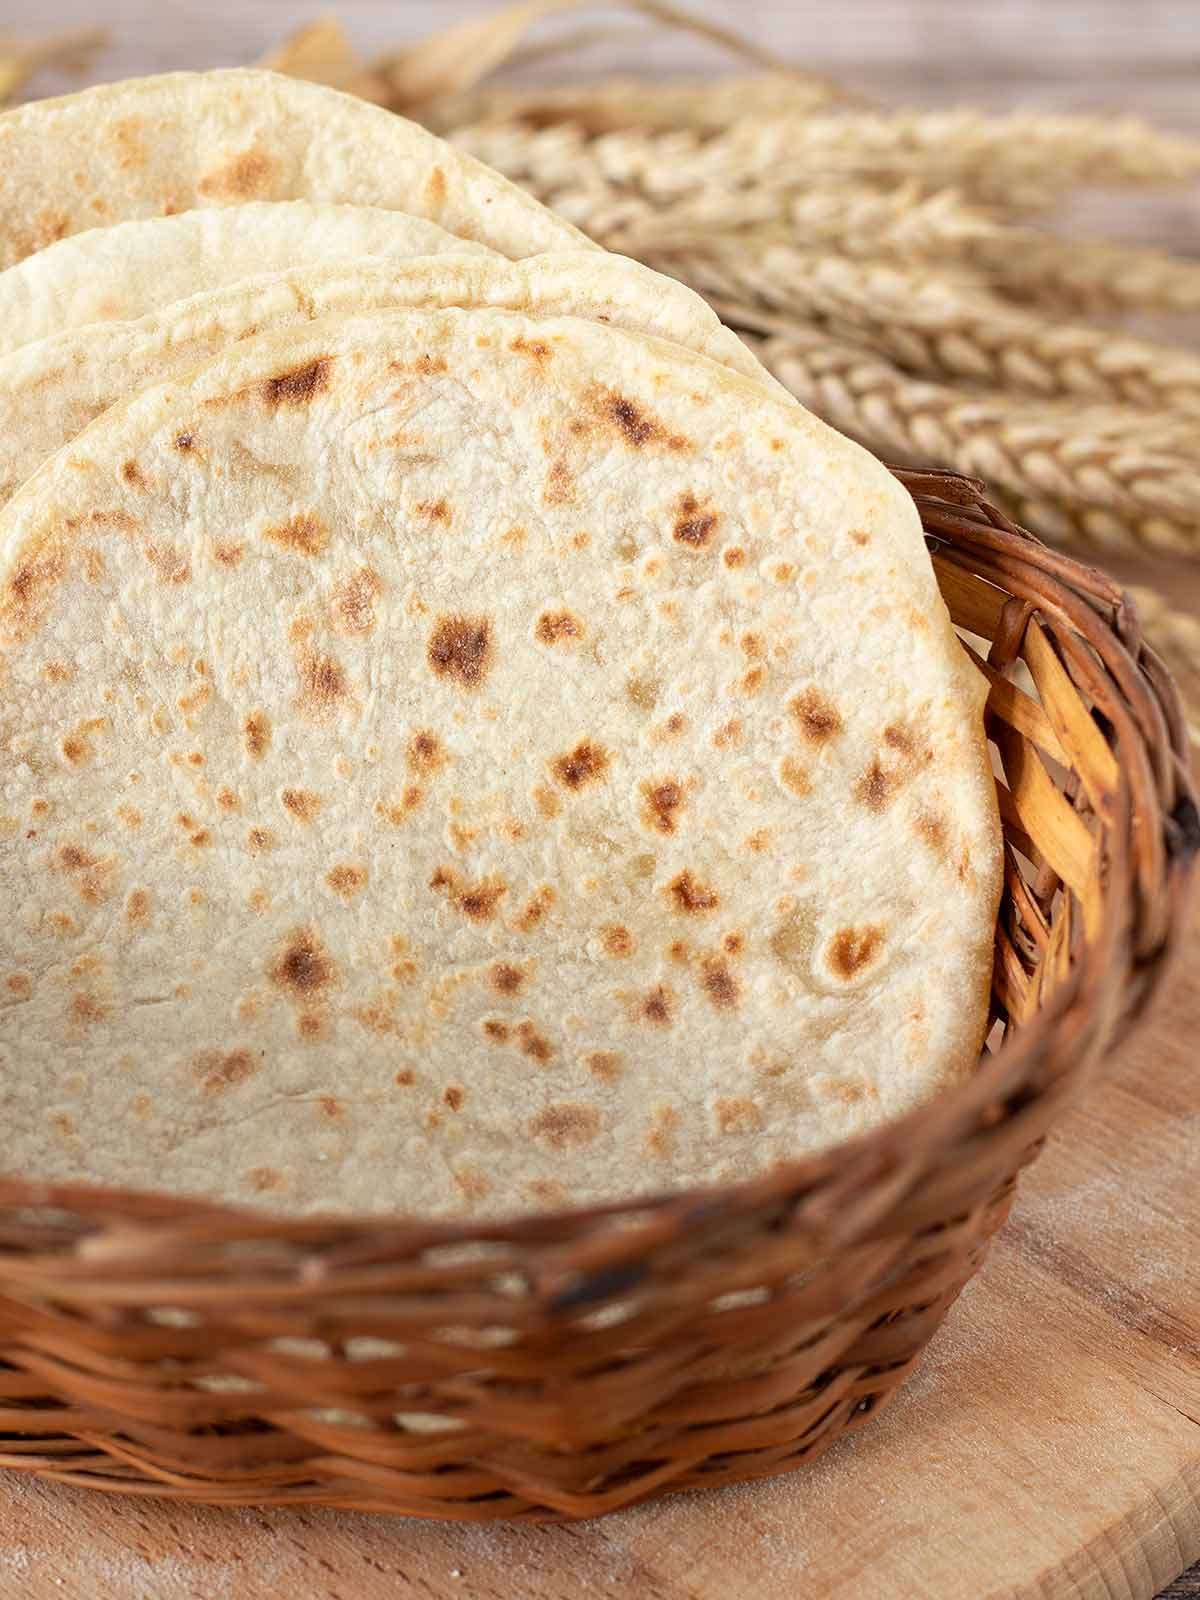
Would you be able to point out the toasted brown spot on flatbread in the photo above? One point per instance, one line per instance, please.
(330, 1108)
(751, 645)
(262, 1180)
(547, 802)
(752, 681)
(537, 350)
(733, 943)
(478, 901)
(435, 189)
(300, 386)
(184, 442)
(695, 521)
(90, 875)
(201, 838)
(816, 716)
(660, 1131)
(453, 1095)
(690, 896)
(303, 804)
(633, 423)
(565, 1126)
(932, 827)
(544, 1192)
(461, 649)
(347, 879)
(170, 565)
(658, 1006)
(734, 556)
(794, 777)
(586, 763)
(425, 752)
(559, 487)
(353, 601)
(133, 475)
(245, 176)
(323, 686)
(229, 555)
(19, 984)
(505, 978)
(435, 510)
(860, 536)
(470, 1182)
(399, 812)
(302, 968)
(88, 1008)
(227, 800)
(662, 801)
(737, 1116)
(57, 672)
(31, 586)
(616, 940)
(258, 840)
(218, 1070)
(853, 950)
(643, 692)
(729, 733)
(876, 789)
(718, 982)
(310, 1026)
(75, 750)
(607, 1065)
(304, 533)
(535, 908)
(257, 732)
(533, 1044)
(496, 1030)
(557, 627)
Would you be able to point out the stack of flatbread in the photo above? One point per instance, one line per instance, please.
(471, 742)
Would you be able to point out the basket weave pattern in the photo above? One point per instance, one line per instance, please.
(566, 1365)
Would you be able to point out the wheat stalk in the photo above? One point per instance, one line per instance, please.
(1085, 275)
(1022, 159)
(931, 323)
(1133, 490)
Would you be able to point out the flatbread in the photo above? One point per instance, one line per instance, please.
(153, 146)
(125, 272)
(53, 388)
(460, 762)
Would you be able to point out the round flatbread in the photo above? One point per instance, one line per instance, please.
(465, 762)
(153, 146)
(50, 390)
(121, 273)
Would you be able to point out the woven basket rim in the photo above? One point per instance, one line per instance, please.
(951, 498)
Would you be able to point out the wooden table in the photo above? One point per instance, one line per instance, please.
(1078, 54)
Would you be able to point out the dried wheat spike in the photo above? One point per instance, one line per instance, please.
(1085, 275)
(1022, 159)
(932, 323)
(1119, 488)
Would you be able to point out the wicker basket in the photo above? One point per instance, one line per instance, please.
(566, 1365)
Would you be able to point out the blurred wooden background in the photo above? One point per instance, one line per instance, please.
(1090, 55)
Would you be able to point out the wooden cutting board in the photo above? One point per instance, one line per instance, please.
(1048, 1446)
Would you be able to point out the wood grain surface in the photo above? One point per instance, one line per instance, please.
(1050, 1444)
